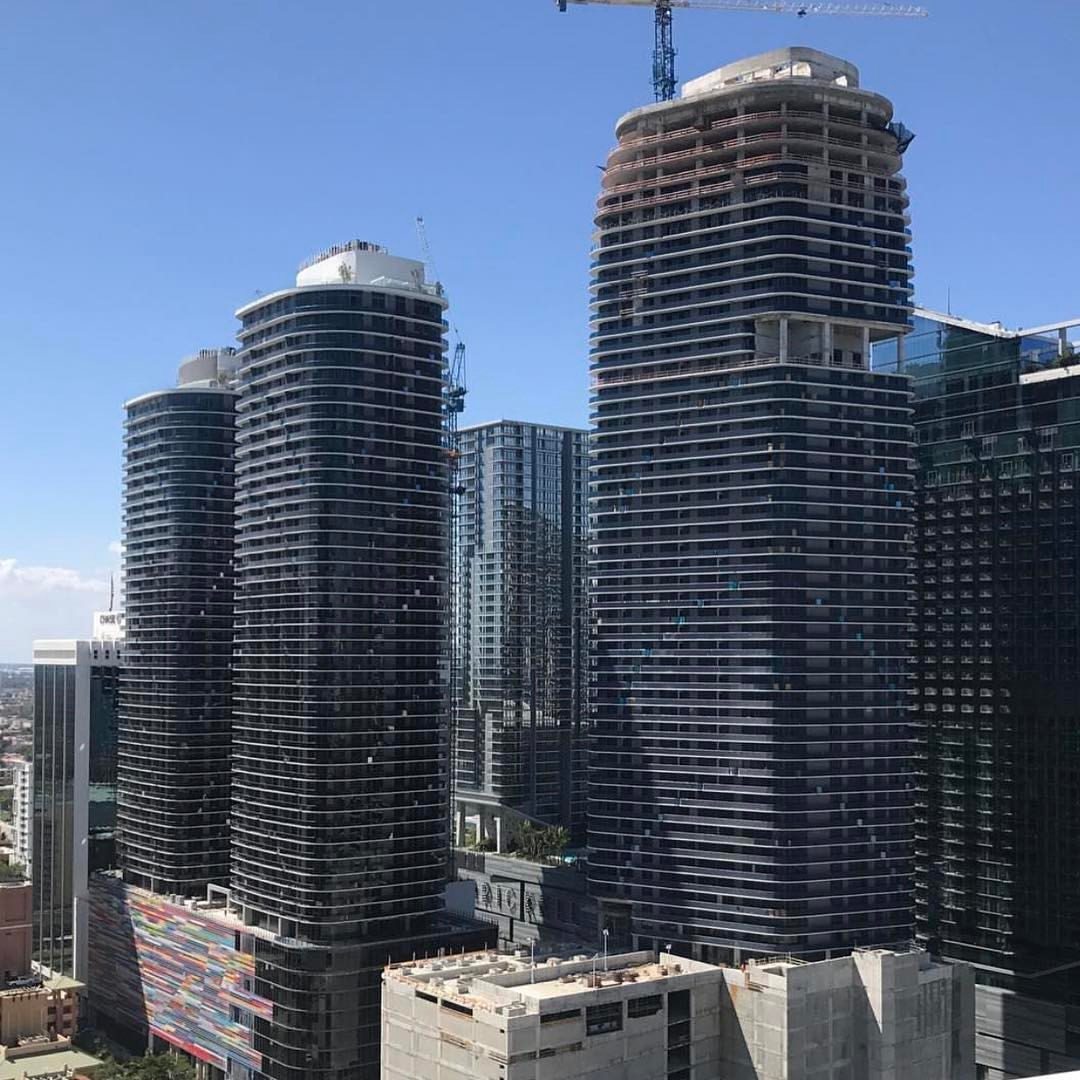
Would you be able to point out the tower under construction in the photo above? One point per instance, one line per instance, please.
(751, 507)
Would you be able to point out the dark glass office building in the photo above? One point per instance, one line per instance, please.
(751, 505)
(997, 673)
(173, 764)
(520, 635)
(340, 751)
(73, 794)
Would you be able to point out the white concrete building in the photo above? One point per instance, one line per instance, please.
(872, 1015)
(491, 1015)
(21, 809)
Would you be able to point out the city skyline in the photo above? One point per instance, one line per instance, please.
(716, 619)
(193, 240)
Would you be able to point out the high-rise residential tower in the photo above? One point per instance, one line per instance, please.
(519, 672)
(73, 792)
(751, 503)
(997, 674)
(173, 767)
(339, 819)
(340, 742)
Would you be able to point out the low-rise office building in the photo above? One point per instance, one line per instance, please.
(872, 1015)
(490, 1015)
(39, 1011)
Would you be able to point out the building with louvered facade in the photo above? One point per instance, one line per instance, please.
(751, 789)
(341, 718)
(174, 709)
(329, 438)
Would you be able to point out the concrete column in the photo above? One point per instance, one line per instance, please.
(498, 834)
(783, 340)
(901, 339)
(459, 832)
(826, 342)
(866, 347)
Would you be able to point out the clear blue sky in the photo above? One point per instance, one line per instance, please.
(162, 161)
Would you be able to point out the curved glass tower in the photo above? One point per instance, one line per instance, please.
(173, 735)
(751, 501)
(340, 820)
(340, 757)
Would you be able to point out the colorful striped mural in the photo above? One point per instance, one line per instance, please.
(177, 973)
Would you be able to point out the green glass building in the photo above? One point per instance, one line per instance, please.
(995, 661)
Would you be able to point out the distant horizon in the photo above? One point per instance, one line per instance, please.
(170, 237)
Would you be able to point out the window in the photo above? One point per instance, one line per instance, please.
(644, 1006)
(555, 1017)
(453, 1006)
(602, 1018)
(551, 1051)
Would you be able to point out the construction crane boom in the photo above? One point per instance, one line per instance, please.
(664, 80)
(776, 7)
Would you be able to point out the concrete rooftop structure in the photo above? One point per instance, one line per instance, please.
(872, 1015)
(498, 1017)
(511, 983)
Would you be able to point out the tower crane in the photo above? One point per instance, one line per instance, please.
(453, 405)
(664, 48)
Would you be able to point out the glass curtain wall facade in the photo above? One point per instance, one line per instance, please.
(340, 753)
(519, 664)
(76, 692)
(173, 757)
(751, 507)
(997, 674)
(52, 822)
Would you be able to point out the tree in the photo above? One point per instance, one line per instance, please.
(557, 840)
(540, 843)
(10, 872)
(151, 1067)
